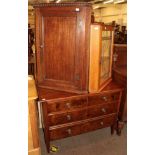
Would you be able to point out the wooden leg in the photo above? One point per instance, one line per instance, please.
(120, 126)
(48, 146)
(112, 129)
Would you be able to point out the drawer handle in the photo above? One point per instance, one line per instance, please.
(68, 117)
(103, 110)
(68, 105)
(101, 123)
(104, 98)
(69, 131)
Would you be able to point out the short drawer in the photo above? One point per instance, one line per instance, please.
(102, 109)
(66, 117)
(101, 123)
(103, 99)
(83, 127)
(66, 105)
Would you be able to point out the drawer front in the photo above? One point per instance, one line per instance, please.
(67, 105)
(68, 131)
(102, 109)
(103, 99)
(82, 128)
(101, 123)
(67, 117)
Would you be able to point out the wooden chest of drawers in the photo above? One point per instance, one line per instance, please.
(79, 113)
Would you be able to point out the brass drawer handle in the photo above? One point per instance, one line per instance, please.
(103, 110)
(104, 98)
(101, 123)
(69, 131)
(68, 117)
(68, 104)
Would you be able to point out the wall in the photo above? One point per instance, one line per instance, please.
(115, 12)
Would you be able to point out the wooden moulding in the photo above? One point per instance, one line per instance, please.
(62, 4)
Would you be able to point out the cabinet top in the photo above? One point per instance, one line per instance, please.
(86, 4)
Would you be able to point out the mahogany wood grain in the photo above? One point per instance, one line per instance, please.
(66, 117)
(101, 109)
(73, 129)
(52, 95)
(81, 108)
(120, 76)
(103, 98)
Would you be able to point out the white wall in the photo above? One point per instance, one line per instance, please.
(117, 12)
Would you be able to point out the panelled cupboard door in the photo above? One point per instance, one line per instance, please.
(62, 47)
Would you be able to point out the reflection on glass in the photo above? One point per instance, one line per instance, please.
(105, 55)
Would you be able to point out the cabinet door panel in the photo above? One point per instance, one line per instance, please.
(59, 50)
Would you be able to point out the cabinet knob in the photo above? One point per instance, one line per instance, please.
(68, 117)
(41, 46)
(103, 110)
(104, 98)
(101, 123)
(77, 9)
(68, 104)
(69, 131)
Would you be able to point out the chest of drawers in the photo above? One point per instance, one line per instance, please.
(68, 114)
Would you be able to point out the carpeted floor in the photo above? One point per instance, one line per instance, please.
(99, 142)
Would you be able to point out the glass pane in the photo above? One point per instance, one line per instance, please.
(105, 55)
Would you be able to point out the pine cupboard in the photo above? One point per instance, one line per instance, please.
(101, 53)
(63, 54)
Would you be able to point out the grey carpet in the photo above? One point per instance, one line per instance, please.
(99, 142)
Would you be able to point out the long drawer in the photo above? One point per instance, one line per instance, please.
(72, 129)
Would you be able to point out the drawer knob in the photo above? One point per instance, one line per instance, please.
(69, 131)
(68, 105)
(68, 117)
(104, 98)
(101, 123)
(103, 110)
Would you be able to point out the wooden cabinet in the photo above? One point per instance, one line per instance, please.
(66, 71)
(62, 45)
(79, 113)
(101, 52)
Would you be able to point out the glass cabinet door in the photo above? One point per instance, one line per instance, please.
(105, 56)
